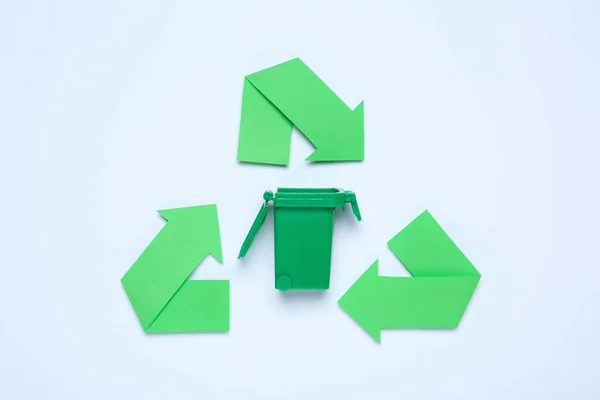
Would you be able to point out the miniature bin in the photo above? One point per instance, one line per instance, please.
(303, 234)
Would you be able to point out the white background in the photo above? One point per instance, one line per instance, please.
(485, 113)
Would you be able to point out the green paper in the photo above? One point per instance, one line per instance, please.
(435, 297)
(157, 284)
(265, 133)
(290, 93)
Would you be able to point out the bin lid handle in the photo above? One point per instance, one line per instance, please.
(260, 218)
(350, 197)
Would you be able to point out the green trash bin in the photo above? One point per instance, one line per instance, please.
(303, 234)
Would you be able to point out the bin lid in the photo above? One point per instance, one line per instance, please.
(292, 197)
(258, 221)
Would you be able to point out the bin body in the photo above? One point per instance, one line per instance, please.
(303, 244)
(303, 223)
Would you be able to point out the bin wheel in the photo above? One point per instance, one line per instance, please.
(284, 283)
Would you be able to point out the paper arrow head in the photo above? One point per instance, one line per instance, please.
(347, 144)
(199, 223)
(360, 301)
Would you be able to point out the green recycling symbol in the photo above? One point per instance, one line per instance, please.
(274, 100)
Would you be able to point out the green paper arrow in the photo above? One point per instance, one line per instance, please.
(290, 93)
(157, 284)
(435, 297)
